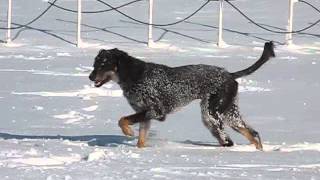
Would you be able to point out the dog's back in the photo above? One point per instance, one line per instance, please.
(167, 88)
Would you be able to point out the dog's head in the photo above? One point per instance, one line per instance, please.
(105, 66)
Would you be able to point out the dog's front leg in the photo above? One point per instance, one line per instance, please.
(143, 133)
(125, 122)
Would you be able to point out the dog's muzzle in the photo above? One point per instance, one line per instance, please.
(101, 78)
(99, 83)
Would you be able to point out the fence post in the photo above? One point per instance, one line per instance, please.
(9, 21)
(220, 43)
(290, 22)
(150, 39)
(79, 41)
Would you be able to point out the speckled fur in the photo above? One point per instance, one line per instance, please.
(158, 90)
(162, 89)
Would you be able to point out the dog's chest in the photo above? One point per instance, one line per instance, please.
(136, 97)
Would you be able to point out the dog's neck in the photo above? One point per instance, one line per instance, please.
(129, 70)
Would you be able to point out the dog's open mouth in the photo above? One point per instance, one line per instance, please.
(98, 83)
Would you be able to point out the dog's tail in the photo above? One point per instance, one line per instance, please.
(268, 52)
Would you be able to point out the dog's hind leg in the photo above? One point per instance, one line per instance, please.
(235, 121)
(125, 122)
(214, 123)
(214, 105)
(222, 100)
(252, 135)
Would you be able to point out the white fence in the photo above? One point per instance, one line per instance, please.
(220, 42)
(9, 15)
(290, 22)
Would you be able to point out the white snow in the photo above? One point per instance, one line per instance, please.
(26, 57)
(86, 93)
(63, 54)
(44, 72)
(164, 46)
(73, 117)
(301, 147)
(38, 108)
(32, 152)
(47, 161)
(98, 154)
(215, 56)
(250, 148)
(90, 108)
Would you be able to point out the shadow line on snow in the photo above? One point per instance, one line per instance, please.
(200, 143)
(96, 140)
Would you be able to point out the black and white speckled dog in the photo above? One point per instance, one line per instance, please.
(155, 90)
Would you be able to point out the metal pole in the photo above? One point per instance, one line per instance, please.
(220, 40)
(79, 41)
(150, 39)
(9, 21)
(290, 22)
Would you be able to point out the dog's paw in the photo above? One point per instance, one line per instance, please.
(258, 142)
(141, 144)
(228, 143)
(126, 129)
(259, 146)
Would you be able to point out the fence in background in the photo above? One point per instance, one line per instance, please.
(9, 15)
(79, 40)
(290, 22)
(288, 32)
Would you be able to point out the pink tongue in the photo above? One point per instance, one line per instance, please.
(97, 83)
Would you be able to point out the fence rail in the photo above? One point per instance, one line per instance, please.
(288, 32)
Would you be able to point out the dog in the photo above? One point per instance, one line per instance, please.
(156, 90)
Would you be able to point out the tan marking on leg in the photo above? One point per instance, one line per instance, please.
(124, 122)
(143, 133)
(251, 138)
(124, 125)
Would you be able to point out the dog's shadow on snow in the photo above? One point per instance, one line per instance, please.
(200, 143)
(96, 140)
(92, 140)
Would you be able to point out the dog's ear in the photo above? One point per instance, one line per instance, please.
(101, 51)
(118, 53)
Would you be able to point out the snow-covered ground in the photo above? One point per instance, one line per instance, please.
(55, 125)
